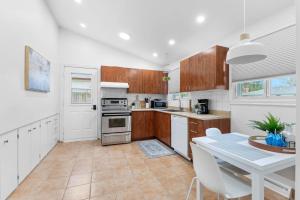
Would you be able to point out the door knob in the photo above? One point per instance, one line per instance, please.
(94, 107)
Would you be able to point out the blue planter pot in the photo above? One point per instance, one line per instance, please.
(277, 140)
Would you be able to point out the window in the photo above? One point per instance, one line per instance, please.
(81, 90)
(283, 86)
(250, 88)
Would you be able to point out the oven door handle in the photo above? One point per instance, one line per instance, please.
(115, 114)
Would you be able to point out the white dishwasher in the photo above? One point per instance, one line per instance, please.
(179, 135)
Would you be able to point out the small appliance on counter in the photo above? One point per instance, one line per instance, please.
(202, 106)
(116, 121)
(159, 103)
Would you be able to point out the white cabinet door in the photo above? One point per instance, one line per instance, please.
(9, 164)
(35, 144)
(44, 138)
(24, 150)
(56, 128)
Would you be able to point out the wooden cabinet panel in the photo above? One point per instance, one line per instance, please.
(114, 74)
(135, 81)
(163, 127)
(149, 124)
(184, 76)
(205, 71)
(222, 74)
(142, 126)
(197, 128)
(137, 125)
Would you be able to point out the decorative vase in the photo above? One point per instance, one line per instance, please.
(277, 140)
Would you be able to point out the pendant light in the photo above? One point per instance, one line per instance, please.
(246, 51)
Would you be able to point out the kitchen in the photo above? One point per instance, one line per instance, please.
(130, 100)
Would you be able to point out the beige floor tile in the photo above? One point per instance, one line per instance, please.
(99, 176)
(87, 170)
(80, 179)
(54, 184)
(105, 197)
(77, 193)
(103, 188)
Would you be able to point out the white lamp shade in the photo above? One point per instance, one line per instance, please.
(246, 52)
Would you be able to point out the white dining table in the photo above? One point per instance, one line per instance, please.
(235, 149)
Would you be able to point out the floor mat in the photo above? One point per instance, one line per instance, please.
(154, 148)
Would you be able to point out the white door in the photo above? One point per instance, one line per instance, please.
(80, 104)
(24, 152)
(8, 164)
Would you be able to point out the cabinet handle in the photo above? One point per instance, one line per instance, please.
(193, 131)
(193, 122)
(34, 128)
(5, 141)
(29, 130)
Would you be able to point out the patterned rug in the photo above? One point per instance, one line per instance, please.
(154, 148)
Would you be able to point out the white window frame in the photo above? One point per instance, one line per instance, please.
(250, 97)
(265, 99)
(269, 88)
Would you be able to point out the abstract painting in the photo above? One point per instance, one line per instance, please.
(37, 71)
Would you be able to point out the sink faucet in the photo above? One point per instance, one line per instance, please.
(180, 107)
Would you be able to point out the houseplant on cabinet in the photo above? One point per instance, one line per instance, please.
(273, 127)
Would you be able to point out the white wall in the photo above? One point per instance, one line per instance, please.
(298, 102)
(26, 23)
(79, 51)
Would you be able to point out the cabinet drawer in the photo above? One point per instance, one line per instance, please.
(196, 126)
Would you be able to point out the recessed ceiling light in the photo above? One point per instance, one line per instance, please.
(124, 36)
(200, 19)
(155, 54)
(82, 25)
(78, 1)
(171, 42)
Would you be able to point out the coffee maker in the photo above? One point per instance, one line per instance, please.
(202, 106)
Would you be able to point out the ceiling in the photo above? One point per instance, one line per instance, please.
(151, 23)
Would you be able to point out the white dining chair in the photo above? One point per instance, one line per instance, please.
(210, 132)
(211, 176)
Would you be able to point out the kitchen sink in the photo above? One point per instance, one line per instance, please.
(173, 110)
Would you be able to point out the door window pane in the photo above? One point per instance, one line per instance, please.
(250, 88)
(283, 86)
(81, 90)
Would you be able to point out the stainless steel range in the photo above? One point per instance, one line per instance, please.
(116, 121)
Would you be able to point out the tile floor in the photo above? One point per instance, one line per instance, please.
(88, 171)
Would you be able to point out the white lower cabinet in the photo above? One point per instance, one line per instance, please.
(22, 150)
(49, 134)
(8, 163)
(29, 149)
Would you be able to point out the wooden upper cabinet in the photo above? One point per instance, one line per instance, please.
(135, 81)
(205, 71)
(114, 74)
(184, 75)
(140, 81)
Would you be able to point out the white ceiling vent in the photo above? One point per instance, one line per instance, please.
(281, 60)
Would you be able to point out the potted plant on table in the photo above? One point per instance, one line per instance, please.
(273, 127)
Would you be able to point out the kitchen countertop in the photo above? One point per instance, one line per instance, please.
(184, 114)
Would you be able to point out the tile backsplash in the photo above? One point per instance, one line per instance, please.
(122, 93)
(218, 99)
